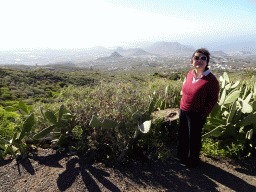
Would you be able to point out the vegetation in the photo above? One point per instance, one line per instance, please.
(102, 114)
(233, 119)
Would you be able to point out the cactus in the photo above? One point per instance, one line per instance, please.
(215, 110)
(108, 123)
(141, 123)
(234, 111)
(250, 119)
(121, 127)
(246, 107)
(145, 127)
(50, 117)
(27, 126)
(166, 91)
(233, 96)
(223, 96)
(44, 132)
(228, 86)
(216, 121)
(237, 116)
(215, 132)
(254, 92)
(58, 120)
(249, 134)
(254, 106)
(226, 78)
(245, 92)
(23, 107)
(137, 116)
(61, 112)
(95, 122)
(221, 79)
(248, 98)
(235, 85)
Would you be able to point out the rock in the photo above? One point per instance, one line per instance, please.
(169, 114)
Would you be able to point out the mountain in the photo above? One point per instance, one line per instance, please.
(246, 52)
(218, 53)
(249, 46)
(141, 52)
(133, 52)
(120, 50)
(170, 48)
(127, 52)
(115, 55)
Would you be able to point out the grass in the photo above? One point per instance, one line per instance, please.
(212, 147)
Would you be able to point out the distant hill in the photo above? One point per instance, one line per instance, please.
(170, 48)
(246, 52)
(141, 52)
(127, 52)
(249, 46)
(133, 52)
(115, 55)
(120, 50)
(218, 53)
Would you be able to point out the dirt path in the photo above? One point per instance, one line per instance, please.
(49, 171)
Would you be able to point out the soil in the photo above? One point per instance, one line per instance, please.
(51, 171)
(48, 170)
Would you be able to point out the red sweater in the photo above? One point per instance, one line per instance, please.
(200, 96)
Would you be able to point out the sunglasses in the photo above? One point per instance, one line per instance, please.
(202, 58)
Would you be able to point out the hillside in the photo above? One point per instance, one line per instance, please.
(141, 52)
(219, 53)
(237, 47)
(170, 48)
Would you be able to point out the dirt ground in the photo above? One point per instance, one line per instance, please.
(51, 171)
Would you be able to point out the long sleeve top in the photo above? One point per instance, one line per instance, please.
(200, 96)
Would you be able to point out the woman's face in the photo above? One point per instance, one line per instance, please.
(199, 61)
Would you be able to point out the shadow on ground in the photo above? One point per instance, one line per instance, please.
(5, 162)
(168, 175)
(85, 167)
(174, 177)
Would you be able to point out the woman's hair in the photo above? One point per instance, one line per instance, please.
(205, 52)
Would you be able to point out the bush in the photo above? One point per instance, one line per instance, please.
(174, 76)
(8, 122)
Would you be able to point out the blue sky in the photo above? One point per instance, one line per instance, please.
(111, 23)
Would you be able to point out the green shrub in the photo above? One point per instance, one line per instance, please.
(8, 122)
(174, 76)
(5, 93)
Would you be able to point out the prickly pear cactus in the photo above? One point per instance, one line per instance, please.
(235, 112)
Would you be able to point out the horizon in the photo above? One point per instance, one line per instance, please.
(80, 24)
(142, 46)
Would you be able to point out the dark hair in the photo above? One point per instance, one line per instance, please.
(205, 52)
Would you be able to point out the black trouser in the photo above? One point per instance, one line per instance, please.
(189, 136)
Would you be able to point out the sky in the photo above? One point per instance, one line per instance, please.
(60, 24)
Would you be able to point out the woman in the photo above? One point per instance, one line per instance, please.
(199, 95)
